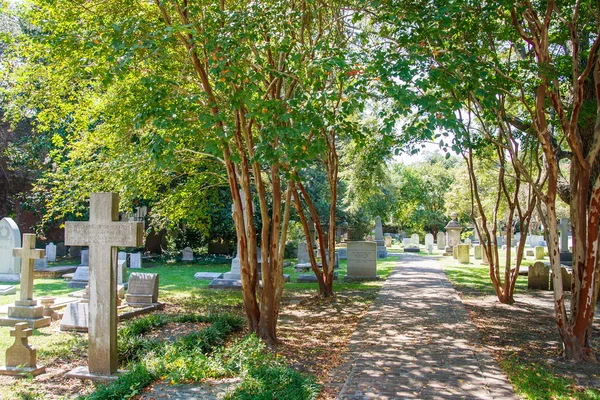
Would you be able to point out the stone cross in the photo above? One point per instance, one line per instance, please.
(103, 234)
(564, 227)
(20, 357)
(28, 253)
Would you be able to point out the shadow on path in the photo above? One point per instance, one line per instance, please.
(418, 342)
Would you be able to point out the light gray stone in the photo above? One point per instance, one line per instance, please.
(463, 253)
(142, 289)
(414, 239)
(428, 240)
(21, 357)
(303, 256)
(102, 234)
(85, 258)
(51, 252)
(540, 252)
(362, 259)
(441, 240)
(135, 260)
(225, 284)
(310, 278)
(187, 254)
(40, 263)
(453, 230)
(76, 317)
(477, 250)
(343, 253)
(121, 272)
(123, 256)
(10, 238)
(207, 276)
(81, 278)
(406, 242)
(564, 227)
(7, 289)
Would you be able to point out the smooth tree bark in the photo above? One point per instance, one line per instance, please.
(535, 30)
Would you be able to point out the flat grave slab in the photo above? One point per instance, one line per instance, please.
(225, 284)
(53, 272)
(411, 249)
(7, 289)
(208, 276)
(310, 278)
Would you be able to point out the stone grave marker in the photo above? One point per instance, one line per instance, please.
(362, 260)
(26, 309)
(21, 357)
(207, 276)
(122, 256)
(10, 238)
(477, 252)
(121, 272)
(81, 278)
(85, 258)
(406, 242)
(484, 256)
(7, 289)
(453, 230)
(414, 239)
(51, 252)
(538, 276)
(135, 260)
(455, 252)
(102, 234)
(76, 317)
(388, 241)
(540, 252)
(343, 253)
(40, 263)
(303, 256)
(381, 249)
(463, 253)
(142, 290)
(188, 254)
(441, 241)
(428, 239)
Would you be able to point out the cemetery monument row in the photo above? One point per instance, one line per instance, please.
(10, 238)
(102, 234)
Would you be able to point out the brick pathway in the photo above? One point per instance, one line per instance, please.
(418, 342)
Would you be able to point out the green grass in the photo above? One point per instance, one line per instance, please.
(538, 382)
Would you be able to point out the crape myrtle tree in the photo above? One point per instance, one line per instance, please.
(217, 86)
(532, 69)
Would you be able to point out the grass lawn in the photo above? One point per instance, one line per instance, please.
(303, 315)
(523, 336)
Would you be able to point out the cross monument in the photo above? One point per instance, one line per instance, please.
(102, 234)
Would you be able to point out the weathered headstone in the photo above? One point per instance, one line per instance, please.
(122, 256)
(7, 289)
(564, 226)
(362, 260)
(26, 309)
(10, 238)
(406, 242)
(381, 249)
(388, 241)
(540, 252)
(40, 263)
(463, 253)
(81, 278)
(76, 317)
(428, 239)
(455, 252)
(484, 256)
(477, 252)
(121, 272)
(343, 253)
(135, 260)
(142, 290)
(21, 357)
(207, 276)
(414, 239)
(51, 252)
(85, 258)
(441, 240)
(188, 254)
(538, 276)
(303, 256)
(453, 229)
(103, 234)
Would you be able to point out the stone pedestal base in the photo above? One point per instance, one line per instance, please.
(232, 275)
(84, 373)
(13, 371)
(31, 313)
(10, 278)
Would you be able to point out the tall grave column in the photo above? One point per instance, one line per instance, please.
(102, 234)
(452, 234)
(381, 249)
(566, 257)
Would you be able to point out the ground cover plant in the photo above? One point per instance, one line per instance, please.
(523, 336)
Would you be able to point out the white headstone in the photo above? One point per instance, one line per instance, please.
(428, 240)
(51, 252)
(406, 242)
(121, 272)
(188, 254)
(10, 238)
(142, 289)
(135, 260)
(303, 256)
(441, 241)
(362, 260)
(122, 256)
(414, 239)
(85, 258)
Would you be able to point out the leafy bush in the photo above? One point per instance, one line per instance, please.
(126, 386)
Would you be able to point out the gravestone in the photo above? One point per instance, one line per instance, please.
(207, 276)
(75, 317)
(188, 254)
(566, 257)
(463, 253)
(453, 230)
(538, 276)
(122, 256)
(381, 249)
(406, 242)
(21, 357)
(303, 256)
(310, 278)
(142, 290)
(102, 234)
(567, 279)
(467, 241)
(540, 252)
(429, 248)
(477, 252)
(343, 253)
(81, 278)
(85, 258)
(455, 252)
(40, 263)
(135, 260)
(362, 261)
(441, 240)
(484, 256)
(388, 241)
(121, 272)
(414, 239)
(428, 240)
(51, 252)
(7, 289)
(26, 309)
(61, 250)
(10, 238)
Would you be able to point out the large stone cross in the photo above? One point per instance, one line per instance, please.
(103, 234)
(28, 254)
